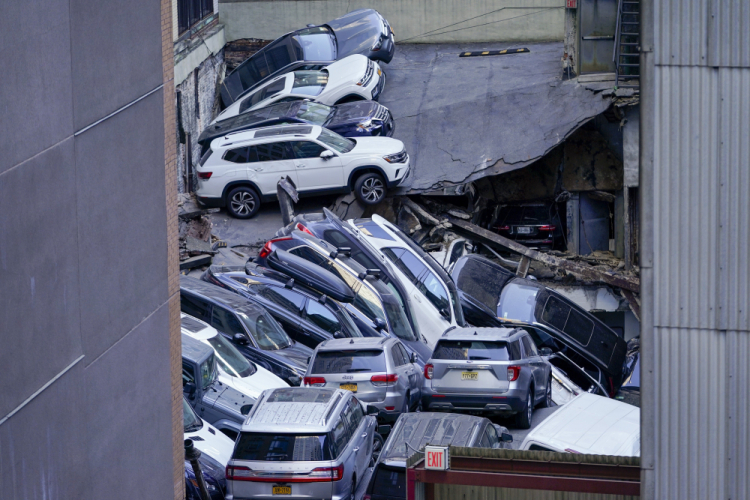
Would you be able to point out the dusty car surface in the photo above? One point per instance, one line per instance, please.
(495, 297)
(489, 371)
(362, 31)
(302, 443)
(413, 431)
(378, 370)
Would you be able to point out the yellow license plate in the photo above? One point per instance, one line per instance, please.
(469, 376)
(349, 387)
(282, 490)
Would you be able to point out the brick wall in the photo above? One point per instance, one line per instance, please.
(168, 26)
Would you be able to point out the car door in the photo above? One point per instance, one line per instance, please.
(354, 417)
(324, 318)
(195, 306)
(413, 373)
(286, 307)
(341, 436)
(537, 364)
(268, 163)
(314, 172)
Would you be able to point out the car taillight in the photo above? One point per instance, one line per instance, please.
(319, 474)
(314, 381)
(331, 473)
(303, 229)
(547, 228)
(428, 371)
(503, 228)
(513, 373)
(367, 497)
(239, 473)
(205, 175)
(380, 380)
(267, 248)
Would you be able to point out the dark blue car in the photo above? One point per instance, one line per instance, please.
(252, 330)
(213, 474)
(353, 119)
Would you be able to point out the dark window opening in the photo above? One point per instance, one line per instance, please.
(189, 12)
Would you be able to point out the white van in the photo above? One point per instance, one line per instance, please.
(589, 424)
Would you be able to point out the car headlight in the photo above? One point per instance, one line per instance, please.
(399, 157)
(366, 125)
(377, 45)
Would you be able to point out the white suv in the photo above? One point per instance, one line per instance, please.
(241, 169)
(352, 78)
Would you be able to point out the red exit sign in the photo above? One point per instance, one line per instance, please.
(436, 458)
(571, 4)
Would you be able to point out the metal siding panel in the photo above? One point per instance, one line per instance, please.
(738, 409)
(681, 32)
(453, 492)
(729, 40)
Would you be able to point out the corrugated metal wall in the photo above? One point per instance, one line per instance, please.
(700, 387)
(457, 492)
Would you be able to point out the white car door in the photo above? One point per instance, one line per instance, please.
(270, 162)
(314, 172)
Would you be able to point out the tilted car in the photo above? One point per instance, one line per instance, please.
(495, 297)
(362, 31)
(413, 431)
(354, 78)
(487, 370)
(353, 119)
(375, 302)
(378, 370)
(536, 225)
(242, 170)
(217, 403)
(250, 328)
(213, 475)
(307, 315)
(234, 369)
(302, 443)
(209, 440)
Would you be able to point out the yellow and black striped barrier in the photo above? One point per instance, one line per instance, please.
(493, 52)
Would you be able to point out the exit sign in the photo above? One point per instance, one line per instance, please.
(436, 458)
(571, 4)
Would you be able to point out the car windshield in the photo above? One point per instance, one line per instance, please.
(266, 331)
(275, 447)
(335, 141)
(318, 44)
(474, 350)
(309, 83)
(208, 371)
(348, 362)
(314, 112)
(398, 322)
(517, 302)
(347, 323)
(191, 420)
(229, 358)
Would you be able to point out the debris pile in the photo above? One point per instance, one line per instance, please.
(197, 245)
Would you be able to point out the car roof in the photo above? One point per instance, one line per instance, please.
(295, 409)
(477, 333)
(353, 344)
(591, 424)
(196, 328)
(219, 295)
(264, 134)
(195, 350)
(420, 429)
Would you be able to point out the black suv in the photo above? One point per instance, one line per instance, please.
(535, 225)
(248, 326)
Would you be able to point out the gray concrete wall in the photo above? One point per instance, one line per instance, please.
(413, 22)
(85, 405)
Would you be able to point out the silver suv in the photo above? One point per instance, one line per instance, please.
(487, 370)
(302, 443)
(379, 370)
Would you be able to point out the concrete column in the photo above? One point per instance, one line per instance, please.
(573, 223)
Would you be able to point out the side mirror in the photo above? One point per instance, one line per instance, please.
(545, 351)
(413, 357)
(380, 324)
(372, 410)
(295, 381)
(339, 335)
(326, 155)
(240, 338)
(189, 389)
(506, 437)
(444, 313)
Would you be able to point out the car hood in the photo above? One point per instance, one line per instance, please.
(212, 442)
(357, 31)
(347, 71)
(377, 145)
(254, 384)
(354, 112)
(221, 397)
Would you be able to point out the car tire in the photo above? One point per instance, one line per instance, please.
(405, 406)
(370, 188)
(547, 402)
(377, 447)
(523, 417)
(243, 202)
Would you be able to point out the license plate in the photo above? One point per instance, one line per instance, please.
(282, 490)
(523, 230)
(469, 376)
(349, 387)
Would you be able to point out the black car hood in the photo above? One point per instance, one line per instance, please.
(353, 112)
(296, 354)
(356, 32)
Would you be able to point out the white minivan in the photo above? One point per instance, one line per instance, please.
(234, 369)
(589, 424)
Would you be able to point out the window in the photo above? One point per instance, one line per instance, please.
(317, 43)
(515, 350)
(517, 302)
(404, 355)
(309, 83)
(484, 441)
(321, 316)
(358, 414)
(432, 288)
(389, 483)
(528, 347)
(188, 374)
(231, 361)
(556, 313)
(239, 155)
(405, 262)
(335, 141)
(191, 421)
(541, 338)
(348, 362)
(266, 331)
(195, 307)
(274, 151)
(291, 301)
(492, 436)
(536, 447)
(225, 321)
(307, 149)
(190, 12)
(483, 281)
(282, 447)
(349, 417)
(579, 327)
(480, 350)
(339, 437)
(262, 94)
(314, 112)
(396, 356)
(281, 54)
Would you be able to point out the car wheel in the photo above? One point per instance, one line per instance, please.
(353, 495)
(243, 202)
(547, 403)
(377, 447)
(523, 417)
(370, 189)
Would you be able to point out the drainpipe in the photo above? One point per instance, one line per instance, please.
(192, 454)
(646, 192)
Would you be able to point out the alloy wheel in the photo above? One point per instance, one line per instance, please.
(243, 203)
(372, 189)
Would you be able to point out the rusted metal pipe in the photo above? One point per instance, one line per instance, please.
(192, 454)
